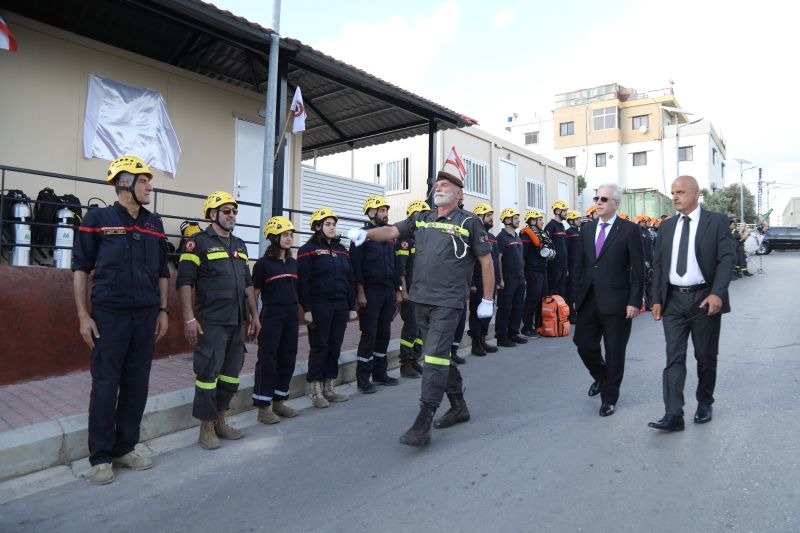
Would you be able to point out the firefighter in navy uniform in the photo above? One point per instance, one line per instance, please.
(448, 241)
(511, 296)
(124, 246)
(557, 268)
(327, 292)
(533, 241)
(275, 279)
(479, 327)
(377, 296)
(410, 367)
(573, 233)
(215, 267)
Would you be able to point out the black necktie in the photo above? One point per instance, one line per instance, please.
(683, 247)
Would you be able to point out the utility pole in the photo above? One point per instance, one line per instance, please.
(760, 185)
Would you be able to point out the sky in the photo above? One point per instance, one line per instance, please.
(731, 62)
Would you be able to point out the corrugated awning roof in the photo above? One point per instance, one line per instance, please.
(347, 107)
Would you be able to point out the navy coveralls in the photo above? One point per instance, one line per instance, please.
(373, 265)
(573, 241)
(479, 327)
(128, 257)
(535, 278)
(218, 269)
(326, 287)
(557, 268)
(277, 341)
(511, 297)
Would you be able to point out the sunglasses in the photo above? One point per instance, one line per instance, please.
(603, 199)
(229, 210)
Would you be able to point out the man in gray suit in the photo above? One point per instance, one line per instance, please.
(694, 257)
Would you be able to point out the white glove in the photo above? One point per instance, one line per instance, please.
(357, 236)
(485, 308)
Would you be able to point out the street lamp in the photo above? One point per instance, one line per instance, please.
(742, 163)
(678, 127)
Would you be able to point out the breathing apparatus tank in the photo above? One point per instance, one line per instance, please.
(62, 256)
(21, 256)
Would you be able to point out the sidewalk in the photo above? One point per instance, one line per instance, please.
(43, 422)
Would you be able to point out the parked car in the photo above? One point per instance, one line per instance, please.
(781, 238)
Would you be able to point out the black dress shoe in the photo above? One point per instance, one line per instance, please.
(506, 343)
(703, 413)
(519, 340)
(668, 423)
(457, 359)
(595, 387)
(607, 409)
(385, 380)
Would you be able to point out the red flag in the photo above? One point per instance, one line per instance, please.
(7, 41)
(456, 162)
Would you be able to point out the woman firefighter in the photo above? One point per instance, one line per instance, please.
(275, 277)
(327, 292)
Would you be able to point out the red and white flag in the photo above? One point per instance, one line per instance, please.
(454, 160)
(7, 41)
(299, 111)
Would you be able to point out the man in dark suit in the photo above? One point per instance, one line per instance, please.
(609, 277)
(694, 257)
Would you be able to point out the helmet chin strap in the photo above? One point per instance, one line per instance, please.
(131, 189)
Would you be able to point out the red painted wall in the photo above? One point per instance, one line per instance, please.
(39, 326)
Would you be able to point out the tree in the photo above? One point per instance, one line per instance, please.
(727, 201)
(581, 184)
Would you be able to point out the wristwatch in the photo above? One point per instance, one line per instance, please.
(164, 310)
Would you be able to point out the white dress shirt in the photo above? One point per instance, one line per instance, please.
(608, 228)
(693, 275)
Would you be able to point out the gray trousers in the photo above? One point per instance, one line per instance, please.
(681, 318)
(437, 327)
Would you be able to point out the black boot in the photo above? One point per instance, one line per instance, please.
(490, 348)
(420, 433)
(477, 347)
(407, 370)
(457, 413)
(457, 359)
(417, 366)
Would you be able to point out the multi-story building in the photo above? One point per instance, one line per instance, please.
(613, 133)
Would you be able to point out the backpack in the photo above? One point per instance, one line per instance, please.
(555, 317)
(43, 230)
(9, 199)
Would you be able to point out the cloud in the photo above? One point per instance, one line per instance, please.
(503, 18)
(396, 49)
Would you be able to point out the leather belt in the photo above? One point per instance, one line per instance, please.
(690, 288)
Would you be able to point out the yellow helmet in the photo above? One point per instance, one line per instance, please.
(277, 225)
(321, 214)
(482, 209)
(127, 163)
(572, 214)
(374, 202)
(508, 212)
(533, 213)
(216, 199)
(189, 228)
(558, 204)
(623, 216)
(592, 209)
(417, 206)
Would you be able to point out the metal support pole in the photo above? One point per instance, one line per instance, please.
(741, 194)
(431, 161)
(279, 168)
(268, 168)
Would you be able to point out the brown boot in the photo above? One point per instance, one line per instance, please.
(457, 413)
(280, 408)
(420, 433)
(225, 431)
(318, 398)
(330, 394)
(266, 416)
(208, 437)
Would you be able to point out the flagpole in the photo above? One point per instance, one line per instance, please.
(289, 117)
(268, 168)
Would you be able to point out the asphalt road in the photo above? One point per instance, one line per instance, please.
(535, 457)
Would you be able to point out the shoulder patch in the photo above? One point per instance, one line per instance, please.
(404, 245)
(189, 246)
